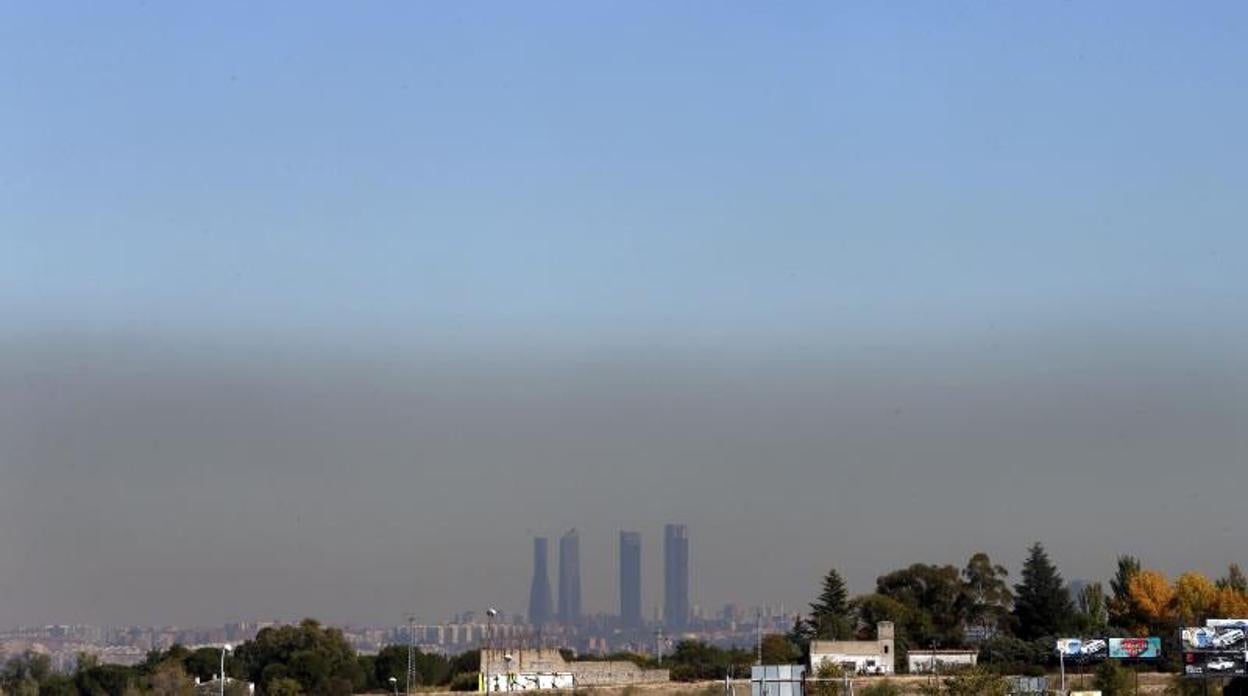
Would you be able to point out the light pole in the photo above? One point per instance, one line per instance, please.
(490, 613)
(394, 686)
(224, 649)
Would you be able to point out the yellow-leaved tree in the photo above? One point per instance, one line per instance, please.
(1195, 598)
(1152, 603)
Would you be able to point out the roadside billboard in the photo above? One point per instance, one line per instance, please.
(1212, 639)
(1082, 649)
(1135, 648)
(1208, 664)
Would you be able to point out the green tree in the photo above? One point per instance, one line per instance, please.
(1042, 604)
(777, 649)
(986, 597)
(170, 679)
(1234, 579)
(1120, 604)
(933, 598)
(319, 659)
(829, 615)
(1092, 616)
(285, 686)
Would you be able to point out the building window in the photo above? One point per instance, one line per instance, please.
(885, 649)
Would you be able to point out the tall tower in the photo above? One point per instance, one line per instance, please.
(570, 578)
(675, 577)
(539, 591)
(630, 579)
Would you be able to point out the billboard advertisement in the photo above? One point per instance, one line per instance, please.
(1212, 639)
(1207, 664)
(1082, 649)
(1135, 648)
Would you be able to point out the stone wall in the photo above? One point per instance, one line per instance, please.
(586, 673)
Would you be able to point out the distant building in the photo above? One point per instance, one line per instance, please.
(676, 577)
(539, 590)
(928, 661)
(630, 579)
(857, 656)
(570, 578)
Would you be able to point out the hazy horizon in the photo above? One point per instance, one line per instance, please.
(329, 313)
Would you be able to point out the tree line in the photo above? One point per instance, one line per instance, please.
(282, 661)
(1014, 627)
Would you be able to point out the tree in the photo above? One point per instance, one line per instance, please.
(1042, 604)
(777, 649)
(829, 615)
(932, 596)
(986, 596)
(1195, 598)
(1120, 602)
(1234, 579)
(1091, 603)
(319, 659)
(284, 687)
(1152, 603)
(170, 679)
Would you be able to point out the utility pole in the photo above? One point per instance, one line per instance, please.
(411, 654)
(758, 635)
(658, 644)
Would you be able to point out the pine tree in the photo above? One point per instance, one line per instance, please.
(1042, 604)
(829, 615)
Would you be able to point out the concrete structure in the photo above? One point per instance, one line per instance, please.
(675, 577)
(570, 578)
(630, 579)
(539, 590)
(857, 656)
(529, 669)
(925, 661)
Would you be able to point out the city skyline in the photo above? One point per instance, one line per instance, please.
(334, 322)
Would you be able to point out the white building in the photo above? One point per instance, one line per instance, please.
(857, 656)
(927, 661)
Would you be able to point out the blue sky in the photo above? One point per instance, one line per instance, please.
(297, 285)
(638, 170)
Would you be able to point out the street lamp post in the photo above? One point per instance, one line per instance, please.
(490, 613)
(224, 649)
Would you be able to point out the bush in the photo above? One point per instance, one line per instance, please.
(975, 682)
(882, 688)
(466, 681)
(1113, 679)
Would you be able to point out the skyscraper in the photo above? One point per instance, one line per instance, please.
(570, 578)
(539, 591)
(675, 577)
(630, 579)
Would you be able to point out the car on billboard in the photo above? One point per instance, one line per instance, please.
(1092, 647)
(1226, 639)
(1220, 664)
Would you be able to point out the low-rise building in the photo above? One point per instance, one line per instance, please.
(857, 656)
